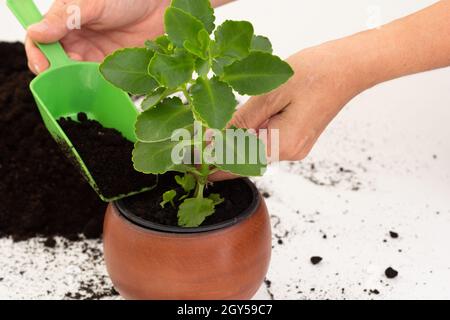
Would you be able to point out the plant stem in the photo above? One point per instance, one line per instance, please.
(204, 168)
(200, 189)
(202, 174)
(187, 95)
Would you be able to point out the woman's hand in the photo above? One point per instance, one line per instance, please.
(328, 76)
(323, 83)
(106, 25)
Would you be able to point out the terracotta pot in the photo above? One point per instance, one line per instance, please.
(225, 261)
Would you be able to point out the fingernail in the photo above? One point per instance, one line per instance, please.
(36, 68)
(40, 27)
(74, 56)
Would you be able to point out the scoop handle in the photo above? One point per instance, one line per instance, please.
(27, 14)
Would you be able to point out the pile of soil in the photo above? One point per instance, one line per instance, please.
(107, 154)
(41, 194)
(237, 194)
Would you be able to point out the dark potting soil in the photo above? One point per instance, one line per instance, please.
(394, 235)
(391, 273)
(237, 194)
(107, 154)
(316, 260)
(41, 194)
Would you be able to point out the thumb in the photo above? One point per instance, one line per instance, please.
(285, 141)
(258, 110)
(54, 26)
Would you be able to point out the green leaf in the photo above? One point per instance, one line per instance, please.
(187, 182)
(127, 69)
(172, 71)
(216, 198)
(213, 102)
(193, 211)
(201, 47)
(201, 9)
(168, 196)
(240, 152)
(164, 42)
(220, 63)
(159, 123)
(154, 158)
(202, 67)
(233, 39)
(259, 73)
(181, 26)
(181, 168)
(161, 44)
(152, 99)
(260, 43)
(153, 46)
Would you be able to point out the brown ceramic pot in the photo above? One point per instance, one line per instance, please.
(225, 261)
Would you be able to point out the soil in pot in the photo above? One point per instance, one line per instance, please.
(107, 154)
(40, 192)
(237, 194)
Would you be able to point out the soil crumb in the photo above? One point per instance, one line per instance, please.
(394, 235)
(316, 260)
(266, 195)
(391, 273)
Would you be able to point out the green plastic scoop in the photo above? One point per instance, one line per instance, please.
(70, 87)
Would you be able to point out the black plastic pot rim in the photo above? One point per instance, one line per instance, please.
(132, 218)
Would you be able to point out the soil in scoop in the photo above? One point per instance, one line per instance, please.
(40, 192)
(237, 194)
(107, 155)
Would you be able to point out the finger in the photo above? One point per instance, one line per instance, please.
(285, 141)
(53, 27)
(94, 54)
(37, 62)
(259, 109)
(75, 56)
(57, 23)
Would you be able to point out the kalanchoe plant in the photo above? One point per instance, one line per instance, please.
(206, 67)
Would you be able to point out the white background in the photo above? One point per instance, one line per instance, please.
(403, 126)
